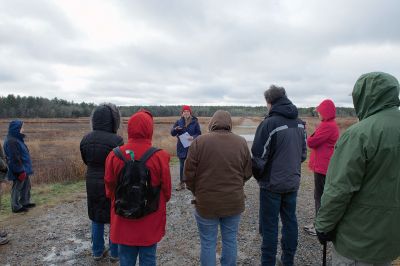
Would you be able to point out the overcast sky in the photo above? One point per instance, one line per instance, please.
(195, 52)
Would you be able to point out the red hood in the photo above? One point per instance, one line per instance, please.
(140, 126)
(327, 110)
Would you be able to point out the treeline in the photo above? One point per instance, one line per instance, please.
(38, 107)
(32, 107)
(174, 110)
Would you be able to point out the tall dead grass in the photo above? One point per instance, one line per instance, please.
(54, 143)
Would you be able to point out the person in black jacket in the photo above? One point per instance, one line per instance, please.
(278, 150)
(95, 146)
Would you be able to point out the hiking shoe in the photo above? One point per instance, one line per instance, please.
(102, 255)
(311, 231)
(3, 240)
(22, 209)
(308, 227)
(114, 259)
(3, 234)
(30, 205)
(97, 258)
(181, 186)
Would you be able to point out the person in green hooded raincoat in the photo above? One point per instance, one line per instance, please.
(360, 206)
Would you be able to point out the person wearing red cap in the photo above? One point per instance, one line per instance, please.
(322, 143)
(186, 124)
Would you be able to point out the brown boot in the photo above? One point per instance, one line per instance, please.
(181, 186)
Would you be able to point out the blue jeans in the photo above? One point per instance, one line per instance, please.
(98, 241)
(181, 165)
(208, 231)
(271, 205)
(128, 255)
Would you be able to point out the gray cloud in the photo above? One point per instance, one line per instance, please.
(200, 52)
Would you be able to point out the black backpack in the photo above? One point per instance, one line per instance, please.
(135, 197)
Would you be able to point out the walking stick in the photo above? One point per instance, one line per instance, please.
(324, 256)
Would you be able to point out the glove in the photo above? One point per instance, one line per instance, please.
(325, 237)
(21, 177)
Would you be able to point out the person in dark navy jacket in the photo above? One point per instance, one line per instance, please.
(278, 150)
(19, 167)
(186, 124)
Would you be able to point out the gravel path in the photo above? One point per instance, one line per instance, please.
(61, 235)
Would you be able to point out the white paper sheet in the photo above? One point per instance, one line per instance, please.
(184, 138)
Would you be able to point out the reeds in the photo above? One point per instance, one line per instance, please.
(54, 143)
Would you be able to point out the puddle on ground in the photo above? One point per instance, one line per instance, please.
(67, 254)
(248, 137)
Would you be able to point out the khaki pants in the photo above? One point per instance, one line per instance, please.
(339, 260)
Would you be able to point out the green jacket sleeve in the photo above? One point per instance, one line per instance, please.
(344, 178)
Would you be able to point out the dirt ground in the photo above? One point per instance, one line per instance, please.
(60, 235)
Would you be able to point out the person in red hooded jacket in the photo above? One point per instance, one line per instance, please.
(322, 143)
(139, 236)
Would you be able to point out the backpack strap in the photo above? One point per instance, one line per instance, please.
(148, 154)
(117, 151)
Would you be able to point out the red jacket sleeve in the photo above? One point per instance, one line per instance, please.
(165, 174)
(320, 136)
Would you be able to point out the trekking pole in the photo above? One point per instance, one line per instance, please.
(324, 255)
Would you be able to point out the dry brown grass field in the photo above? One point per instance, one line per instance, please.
(54, 143)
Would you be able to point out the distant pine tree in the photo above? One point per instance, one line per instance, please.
(38, 107)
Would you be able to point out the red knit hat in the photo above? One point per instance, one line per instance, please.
(186, 108)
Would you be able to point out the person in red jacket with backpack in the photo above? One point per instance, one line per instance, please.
(139, 236)
(322, 143)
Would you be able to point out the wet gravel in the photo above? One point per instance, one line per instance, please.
(60, 235)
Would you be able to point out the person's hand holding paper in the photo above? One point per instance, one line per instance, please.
(186, 139)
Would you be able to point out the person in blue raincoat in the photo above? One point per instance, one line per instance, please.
(19, 167)
(186, 124)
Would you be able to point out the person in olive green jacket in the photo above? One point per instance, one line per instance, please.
(360, 208)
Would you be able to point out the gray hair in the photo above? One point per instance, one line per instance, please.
(273, 93)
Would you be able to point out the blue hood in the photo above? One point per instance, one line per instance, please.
(284, 107)
(14, 129)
